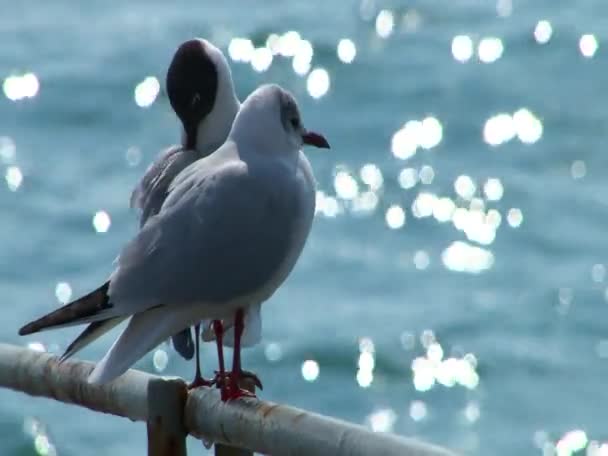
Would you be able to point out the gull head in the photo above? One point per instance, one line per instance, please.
(201, 92)
(269, 120)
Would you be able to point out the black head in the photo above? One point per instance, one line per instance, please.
(192, 82)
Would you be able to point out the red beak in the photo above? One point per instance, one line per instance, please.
(315, 139)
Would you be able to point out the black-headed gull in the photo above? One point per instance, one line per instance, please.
(228, 234)
(201, 92)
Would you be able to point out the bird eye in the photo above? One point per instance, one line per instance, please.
(196, 99)
(295, 123)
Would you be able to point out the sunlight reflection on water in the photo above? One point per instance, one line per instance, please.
(466, 150)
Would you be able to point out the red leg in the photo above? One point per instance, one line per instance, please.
(236, 354)
(235, 377)
(198, 378)
(218, 329)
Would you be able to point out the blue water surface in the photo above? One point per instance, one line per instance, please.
(454, 284)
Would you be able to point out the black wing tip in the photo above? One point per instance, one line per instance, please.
(79, 308)
(67, 353)
(183, 344)
(28, 329)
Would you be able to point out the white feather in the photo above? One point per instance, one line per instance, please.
(144, 332)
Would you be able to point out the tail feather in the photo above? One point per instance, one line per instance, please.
(86, 309)
(92, 332)
(144, 332)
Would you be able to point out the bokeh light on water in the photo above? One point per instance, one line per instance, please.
(454, 285)
(63, 292)
(146, 92)
(13, 178)
(101, 221)
(41, 442)
(18, 87)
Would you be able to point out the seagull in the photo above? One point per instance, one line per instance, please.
(226, 237)
(201, 92)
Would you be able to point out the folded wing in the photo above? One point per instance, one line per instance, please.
(224, 238)
(152, 189)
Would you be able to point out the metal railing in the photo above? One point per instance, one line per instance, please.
(172, 412)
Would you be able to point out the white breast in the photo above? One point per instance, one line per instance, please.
(307, 198)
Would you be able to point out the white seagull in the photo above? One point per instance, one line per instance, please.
(226, 237)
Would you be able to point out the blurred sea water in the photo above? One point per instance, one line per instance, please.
(454, 285)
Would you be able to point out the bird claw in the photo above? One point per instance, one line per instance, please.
(243, 375)
(253, 377)
(230, 390)
(201, 381)
(237, 393)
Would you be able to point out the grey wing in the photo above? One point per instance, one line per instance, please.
(153, 188)
(149, 195)
(226, 238)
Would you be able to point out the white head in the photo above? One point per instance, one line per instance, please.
(201, 92)
(269, 121)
